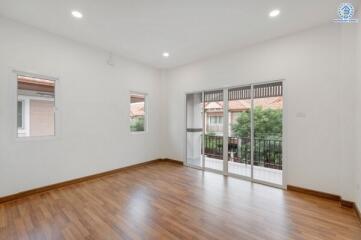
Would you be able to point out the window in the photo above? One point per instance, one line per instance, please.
(21, 114)
(215, 120)
(35, 107)
(137, 113)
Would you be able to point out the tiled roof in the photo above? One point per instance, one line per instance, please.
(240, 105)
(137, 109)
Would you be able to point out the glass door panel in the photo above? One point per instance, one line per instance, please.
(194, 129)
(239, 131)
(267, 119)
(247, 141)
(213, 122)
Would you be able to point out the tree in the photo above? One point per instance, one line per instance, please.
(137, 124)
(267, 123)
(268, 136)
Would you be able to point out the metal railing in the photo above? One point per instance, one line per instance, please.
(267, 152)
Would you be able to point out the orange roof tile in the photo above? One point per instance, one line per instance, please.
(241, 105)
(137, 109)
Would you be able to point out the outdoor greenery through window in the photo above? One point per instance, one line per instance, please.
(21, 114)
(267, 134)
(268, 123)
(137, 114)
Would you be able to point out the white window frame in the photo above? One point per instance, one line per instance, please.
(16, 74)
(145, 112)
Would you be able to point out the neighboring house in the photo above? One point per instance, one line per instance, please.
(136, 110)
(137, 113)
(214, 112)
(35, 107)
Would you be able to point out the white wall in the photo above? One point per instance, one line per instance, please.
(319, 147)
(348, 76)
(93, 134)
(358, 125)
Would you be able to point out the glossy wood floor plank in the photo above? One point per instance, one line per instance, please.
(164, 200)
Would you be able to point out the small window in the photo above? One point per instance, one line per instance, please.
(36, 107)
(216, 120)
(21, 114)
(137, 113)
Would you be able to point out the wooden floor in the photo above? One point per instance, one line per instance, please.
(164, 200)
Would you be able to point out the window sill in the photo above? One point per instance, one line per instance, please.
(138, 133)
(27, 139)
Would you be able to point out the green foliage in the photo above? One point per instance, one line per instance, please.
(137, 124)
(268, 134)
(267, 124)
(267, 142)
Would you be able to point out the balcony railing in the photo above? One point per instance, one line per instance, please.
(267, 152)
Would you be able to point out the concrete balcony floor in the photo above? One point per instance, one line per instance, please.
(260, 173)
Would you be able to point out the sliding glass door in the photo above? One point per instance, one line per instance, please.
(213, 135)
(267, 132)
(238, 131)
(239, 128)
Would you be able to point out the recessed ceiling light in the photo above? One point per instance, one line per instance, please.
(274, 13)
(77, 14)
(166, 54)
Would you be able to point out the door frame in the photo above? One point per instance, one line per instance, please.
(225, 134)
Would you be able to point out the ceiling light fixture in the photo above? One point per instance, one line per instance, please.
(274, 13)
(77, 14)
(166, 54)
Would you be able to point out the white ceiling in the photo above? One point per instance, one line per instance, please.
(188, 29)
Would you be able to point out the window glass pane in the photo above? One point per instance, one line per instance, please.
(239, 131)
(267, 134)
(36, 107)
(20, 114)
(137, 114)
(213, 133)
